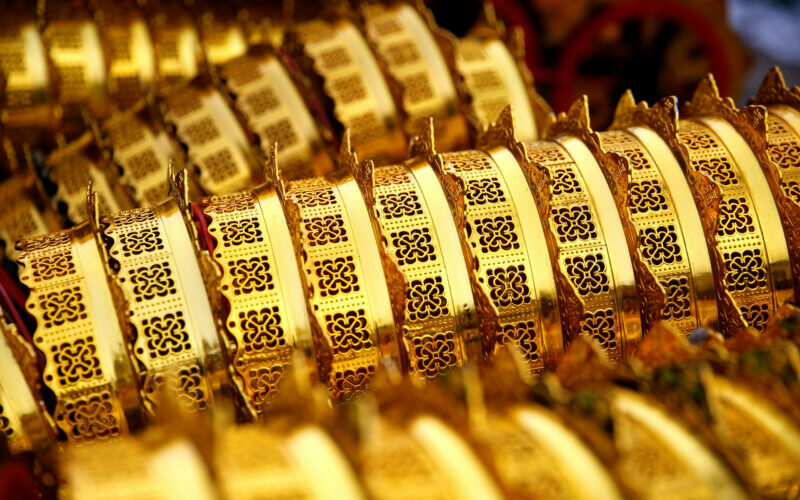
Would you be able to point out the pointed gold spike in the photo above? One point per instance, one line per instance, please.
(773, 90)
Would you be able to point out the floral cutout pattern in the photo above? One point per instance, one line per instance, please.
(152, 281)
(336, 276)
(508, 285)
(497, 233)
(588, 273)
(76, 361)
(166, 334)
(434, 353)
(262, 329)
(348, 331)
(250, 275)
(425, 299)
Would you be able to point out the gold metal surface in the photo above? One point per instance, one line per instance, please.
(86, 364)
(26, 211)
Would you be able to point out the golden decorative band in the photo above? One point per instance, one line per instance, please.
(24, 422)
(346, 292)
(141, 149)
(86, 365)
(407, 46)
(173, 335)
(346, 71)
(72, 167)
(783, 150)
(275, 112)
(593, 271)
(26, 211)
(266, 316)
(511, 275)
(217, 146)
(424, 265)
(753, 271)
(176, 44)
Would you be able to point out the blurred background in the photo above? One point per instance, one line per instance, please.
(655, 47)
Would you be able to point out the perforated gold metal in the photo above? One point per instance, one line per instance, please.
(407, 47)
(348, 74)
(176, 44)
(275, 112)
(26, 211)
(86, 365)
(173, 335)
(266, 316)
(217, 146)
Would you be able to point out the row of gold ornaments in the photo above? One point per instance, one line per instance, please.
(354, 319)
(482, 437)
(255, 102)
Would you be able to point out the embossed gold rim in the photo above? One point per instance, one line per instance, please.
(87, 366)
(174, 336)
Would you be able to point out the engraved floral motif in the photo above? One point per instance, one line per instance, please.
(89, 418)
(152, 281)
(756, 316)
(574, 223)
(166, 334)
(660, 245)
(792, 190)
(191, 388)
(734, 217)
(328, 229)
(44, 241)
(718, 169)
(261, 329)
(237, 202)
(508, 285)
(678, 304)
(347, 384)
(600, 325)
(48, 267)
(434, 353)
(250, 275)
(484, 191)
(425, 299)
(315, 197)
(637, 159)
(588, 273)
(497, 233)
(335, 276)
(545, 153)
(745, 270)
(785, 154)
(697, 140)
(348, 331)
(76, 361)
(646, 196)
(63, 306)
(264, 384)
(405, 204)
(565, 181)
(413, 246)
(523, 335)
(240, 232)
(466, 161)
(138, 242)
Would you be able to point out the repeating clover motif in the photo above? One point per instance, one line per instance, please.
(785, 154)
(48, 267)
(434, 353)
(89, 418)
(262, 329)
(166, 334)
(496, 233)
(46, 241)
(523, 335)
(745, 270)
(545, 153)
(405, 204)
(388, 176)
(336, 276)
(678, 304)
(588, 273)
(138, 242)
(316, 197)
(697, 140)
(734, 217)
(718, 169)
(466, 161)
(413, 246)
(646, 196)
(63, 306)
(236, 202)
(325, 230)
(508, 285)
(565, 181)
(574, 223)
(425, 299)
(350, 383)
(76, 360)
(637, 159)
(264, 384)
(240, 232)
(152, 281)
(484, 191)
(756, 316)
(250, 275)
(660, 245)
(792, 190)
(348, 331)
(191, 388)
(600, 325)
